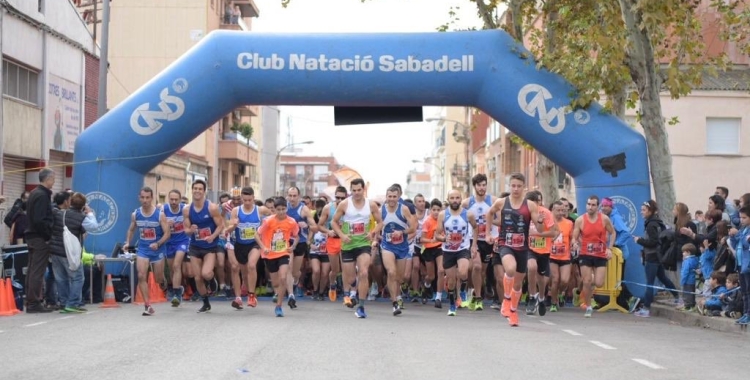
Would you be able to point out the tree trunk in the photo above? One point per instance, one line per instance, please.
(546, 177)
(516, 19)
(643, 69)
(618, 103)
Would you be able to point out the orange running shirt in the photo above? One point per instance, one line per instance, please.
(276, 235)
(542, 245)
(428, 232)
(594, 237)
(561, 244)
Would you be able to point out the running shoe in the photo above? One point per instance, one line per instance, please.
(643, 313)
(438, 303)
(633, 304)
(400, 303)
(542, 307)
(292, 302)
(576, 297)
(279, 311)
(553, 308)
(237, 303)
(252, 300)
(744, 320)
(463, 301)
(348, 302)
(332, 293)
(589, 312)
(206, 307)
(495, 305)
(396, 309)
(531, 305)
(505, 308)
(513, 319)
(452, 311)
(275, 298)
(148, 311)
(360, 312)
(479, 304)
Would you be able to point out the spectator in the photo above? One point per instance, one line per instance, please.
(18, 228)
(78, 218)
(236, 15)
(8, 220)
(650, 253)
(228, 12)
(711, 304)
(744, 201)
(716, 202)
(723, 260)
(681, 220)
(723, 192)
(38, 234)
(741, 243)
(700, 222)
(687, 277)
(731, 301)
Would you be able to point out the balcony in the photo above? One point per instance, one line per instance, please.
(247, 7)
(240, 25)
(249, 111)
(237, 148)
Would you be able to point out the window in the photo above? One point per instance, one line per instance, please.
(493, 132)
(299, 170)
(722, 135)
(20, 82)
(320, 171)
(40, 6)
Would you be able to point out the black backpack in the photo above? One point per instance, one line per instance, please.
(12, 213)
(667, 247)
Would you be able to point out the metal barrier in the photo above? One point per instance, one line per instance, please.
(612, 284)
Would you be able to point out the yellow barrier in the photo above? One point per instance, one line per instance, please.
(611, 286)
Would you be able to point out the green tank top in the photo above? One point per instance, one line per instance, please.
(356, 224)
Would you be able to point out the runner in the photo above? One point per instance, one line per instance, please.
(352, 223)
(153, 233)
(592, 229)
(298, 211)
(398, 223)
(204, 223)
(559, 260)
(225, 207)
(511, 247)
(406, 274)
(453, 228)
(277, 231)
(244, 223)
(433, 254)
(540, 244)
(177, 246)
(478, 204)
(333, 242)
(319, 263)
(417, 247)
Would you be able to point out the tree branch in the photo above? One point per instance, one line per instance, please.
(486, 13)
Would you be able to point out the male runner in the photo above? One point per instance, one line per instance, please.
(352, 223)
(153, 233)
(177, 246)
(333, 242)
(319, 263)
(418, 247)
(277, 231)
(511, 247)
(478, 204)
(559, 259)
(398, 223)
(226, 203)
(406, 274)
(592, 229)
(433, 254)
(244, 223)
(204, 223)
(540, 244)
(453, 228)
(298, 211)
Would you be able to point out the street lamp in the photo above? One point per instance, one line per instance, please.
(442, 175)
(463, 137)
(278, 159)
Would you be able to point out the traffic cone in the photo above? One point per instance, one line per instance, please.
(155, 293)
(7, 301)
(109, 295)
(188, 293)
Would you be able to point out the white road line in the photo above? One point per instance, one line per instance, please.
(548, 323)
(571, 332)
(68, 317)
(1, 331)
(648, 364)
(602, 345)
(35, 324)
(92, 312)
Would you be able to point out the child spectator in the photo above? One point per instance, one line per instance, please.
(732, 300)
(687, 275)
(711, 305)
(740, 244)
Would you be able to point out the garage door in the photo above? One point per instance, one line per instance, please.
(56, 161)
(14, 185)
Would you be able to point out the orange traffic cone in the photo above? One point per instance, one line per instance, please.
(7, 301)
(109, 295)
(155, 293)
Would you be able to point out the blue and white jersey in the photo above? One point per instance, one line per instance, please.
(392, 222)
(318, 246)
(457, 231)
(247, 228)
(479, 209)
(176, 222)
(296, 214)
(149, 229)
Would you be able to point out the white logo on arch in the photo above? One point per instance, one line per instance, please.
(106, 211)
(552, 121)
(627, 210)
(171, 108)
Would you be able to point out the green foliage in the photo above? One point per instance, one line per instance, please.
(246, 130)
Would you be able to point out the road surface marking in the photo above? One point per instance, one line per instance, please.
(91, 312)
(548, 323)
(571, 332)
(36, 324)
(68, 317)
(602, 345)
(648, 364)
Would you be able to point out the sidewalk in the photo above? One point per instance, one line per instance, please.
(667, 310)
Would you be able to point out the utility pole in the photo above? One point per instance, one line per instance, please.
(103, 60)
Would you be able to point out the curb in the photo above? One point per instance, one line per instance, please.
(690, 319)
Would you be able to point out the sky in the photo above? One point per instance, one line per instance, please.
(386, 160)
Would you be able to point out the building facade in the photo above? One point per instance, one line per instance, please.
(49, 81)
(418, 182)
(311, 174)
(271, 125)
(227, 153)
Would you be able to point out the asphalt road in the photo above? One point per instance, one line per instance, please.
(323, 340)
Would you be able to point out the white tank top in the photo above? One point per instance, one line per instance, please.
(479, 208)
(457, 231)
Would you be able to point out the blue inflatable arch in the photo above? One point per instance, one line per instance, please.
(482, 69)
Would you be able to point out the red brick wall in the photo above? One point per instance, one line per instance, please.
(91, 92)
(481, 121)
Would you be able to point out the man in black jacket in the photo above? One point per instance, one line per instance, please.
(38, 234)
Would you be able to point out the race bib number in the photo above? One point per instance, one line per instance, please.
(358, 229)
(247, 233)
(394, 239)
(177, 227)
(204, 233)
(481, 231)
(148, 233)
(454, 240)
(538, 242)
(595, 249)
(515, 240)
(558, 250)
(278, 243)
